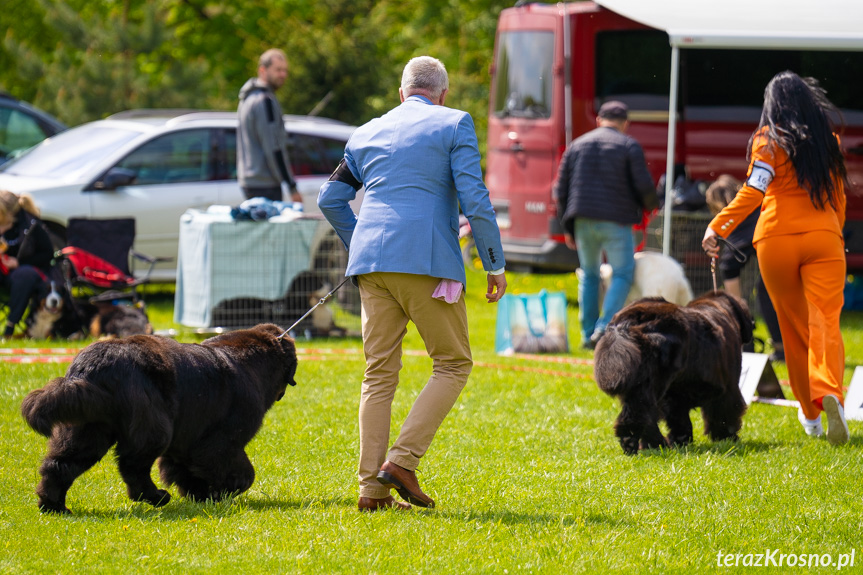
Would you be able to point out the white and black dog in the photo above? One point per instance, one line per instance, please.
(41, 321)
(57, 315)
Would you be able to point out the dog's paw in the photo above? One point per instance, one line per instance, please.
(164, 498)
(198, 495)
(679, 440)
(723, 431)
(645, 444)
(157, 499)
(629, 445)
(216, 496)
(46, 506)
(55, 510)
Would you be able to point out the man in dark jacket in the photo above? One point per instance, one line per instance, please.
(602, 188)
(263, 169)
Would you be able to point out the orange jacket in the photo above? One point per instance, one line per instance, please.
(785, 206)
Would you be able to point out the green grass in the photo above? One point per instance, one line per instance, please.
(525, 470)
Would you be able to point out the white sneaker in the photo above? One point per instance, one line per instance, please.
(812, 427)
(837, 428)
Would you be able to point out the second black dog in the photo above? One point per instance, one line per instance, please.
(192, 406)
(663, 360)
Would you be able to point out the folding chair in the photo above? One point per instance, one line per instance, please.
(97, 258)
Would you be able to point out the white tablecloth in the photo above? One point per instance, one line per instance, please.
(222, 259)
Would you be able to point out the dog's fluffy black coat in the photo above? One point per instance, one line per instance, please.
(192, 406)
(663, 360)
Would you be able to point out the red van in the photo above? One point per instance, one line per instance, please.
(555, 64)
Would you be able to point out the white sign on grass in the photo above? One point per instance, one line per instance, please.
(854, 397)
(750, 375)
(757, 369)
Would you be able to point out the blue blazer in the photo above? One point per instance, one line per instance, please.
(418, 163)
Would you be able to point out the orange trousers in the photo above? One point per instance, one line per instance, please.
(805, 277)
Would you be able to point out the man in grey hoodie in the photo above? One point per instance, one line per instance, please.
(263, 169)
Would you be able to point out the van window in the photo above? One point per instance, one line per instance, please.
(523, 74)
(715, 85)
(728, 85)
(633, 66)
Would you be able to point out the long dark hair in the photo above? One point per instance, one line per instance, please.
(797, 118)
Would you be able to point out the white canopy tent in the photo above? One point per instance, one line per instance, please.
(740, 24)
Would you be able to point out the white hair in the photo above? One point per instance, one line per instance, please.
(425, 74)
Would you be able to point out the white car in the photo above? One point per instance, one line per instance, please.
(153, 165)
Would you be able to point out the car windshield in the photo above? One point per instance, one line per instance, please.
(69, 153)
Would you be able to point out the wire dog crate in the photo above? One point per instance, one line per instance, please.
(687, 230)
(237, 274)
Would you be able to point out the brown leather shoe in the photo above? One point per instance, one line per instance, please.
(405, 482)
(388, 502)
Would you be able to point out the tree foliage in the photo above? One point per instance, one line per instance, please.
(103, 63)
(85, 59)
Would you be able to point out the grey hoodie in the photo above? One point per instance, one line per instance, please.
(262, 156)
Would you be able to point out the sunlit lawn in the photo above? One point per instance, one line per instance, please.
(526, 473)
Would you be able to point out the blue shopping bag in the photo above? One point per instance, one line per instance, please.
(532, 323)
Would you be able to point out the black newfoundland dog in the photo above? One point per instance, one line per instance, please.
(663, 360)
(192, 406)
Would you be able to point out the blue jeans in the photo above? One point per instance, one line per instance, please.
(593, 238)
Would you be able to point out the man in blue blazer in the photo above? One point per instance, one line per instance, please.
(418, 163)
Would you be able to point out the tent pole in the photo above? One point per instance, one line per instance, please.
(567, 75)
(669, 162)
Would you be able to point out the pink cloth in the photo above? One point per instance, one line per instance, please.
(448, 291)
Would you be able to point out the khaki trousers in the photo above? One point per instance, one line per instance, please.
(389, 301)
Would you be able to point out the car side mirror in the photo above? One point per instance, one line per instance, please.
(116, 178)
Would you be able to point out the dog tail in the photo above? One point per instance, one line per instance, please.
(616, 361)
(64, 401)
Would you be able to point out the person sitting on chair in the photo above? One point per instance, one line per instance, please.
(26, 252)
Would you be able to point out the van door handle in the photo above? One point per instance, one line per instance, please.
(858, 150)
(516, 147)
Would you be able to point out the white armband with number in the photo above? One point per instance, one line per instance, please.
(761, 176)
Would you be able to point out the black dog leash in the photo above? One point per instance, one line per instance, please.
(305, 315)
(735, 251)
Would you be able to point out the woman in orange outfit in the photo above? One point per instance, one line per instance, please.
(797, 174)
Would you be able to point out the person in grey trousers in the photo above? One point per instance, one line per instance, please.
(263, 169)
(602, 188)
